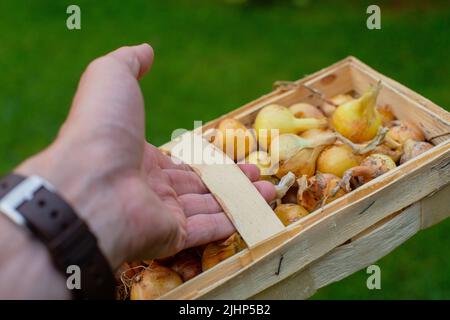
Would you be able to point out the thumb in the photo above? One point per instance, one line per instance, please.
(109, 93)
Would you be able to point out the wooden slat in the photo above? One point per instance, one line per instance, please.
(364, 251)
(239, 198)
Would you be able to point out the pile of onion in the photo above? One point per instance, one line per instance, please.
(321, 152)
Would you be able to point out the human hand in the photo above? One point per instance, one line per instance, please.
(137, 201)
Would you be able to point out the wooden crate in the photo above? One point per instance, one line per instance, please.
(344, 236)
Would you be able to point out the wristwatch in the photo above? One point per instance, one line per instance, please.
(33, 203)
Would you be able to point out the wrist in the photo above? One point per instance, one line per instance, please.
(23, 263)
(86, 194)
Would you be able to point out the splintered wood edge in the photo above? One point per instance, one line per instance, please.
(364, 250)
(253, 218)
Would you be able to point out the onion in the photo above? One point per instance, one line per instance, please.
(358, 120)
(371, 167)
(302, 163)
(337, 159)
(319, 190)
(220, 250)
(234, 138)
(402, 131)
(387, 116)
(187, 265)
(413, 148)
(280, 118)
(306, 110)
(262, 160)
(153, 282)
(314, 133)
(289, 213)
(329, 106)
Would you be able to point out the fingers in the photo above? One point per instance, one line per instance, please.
(199, 204)
(266, 189)
(250, 170)
(206, 203)
(205, 228)
(185, 182)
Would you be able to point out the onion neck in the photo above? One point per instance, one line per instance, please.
(304, 124)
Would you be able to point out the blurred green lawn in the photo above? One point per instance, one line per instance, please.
(213, 56)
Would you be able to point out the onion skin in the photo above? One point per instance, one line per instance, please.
(414, 148)
(302, 163)
(403, 131)
(218, 251)
(336, 160)
(358, 120)
(153, 282)
(280, 118)
(321, 190)
(387, 116)
(262, 160)
(187, 265)
(234, 139)
(315, 133)
(289, 213)
(306, 110)
(371, 167)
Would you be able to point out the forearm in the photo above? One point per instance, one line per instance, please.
(26, 271)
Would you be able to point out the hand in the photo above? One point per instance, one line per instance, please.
(134, 198)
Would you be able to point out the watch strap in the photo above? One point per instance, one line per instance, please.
(31, 201)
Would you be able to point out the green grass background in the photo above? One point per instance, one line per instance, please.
(213, 56)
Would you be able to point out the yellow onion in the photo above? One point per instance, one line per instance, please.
(153, 282)
(319, 190)
(306, 110)
(358, 120)
(337, 159)
(329, 106)
(218, 251)
(370, 168)
(393, 153)
(414, 148)
(280, 118)
(262, 160)
(402, 131)
(186, 264)
(289, 213)
(234, 139)
(387, 116)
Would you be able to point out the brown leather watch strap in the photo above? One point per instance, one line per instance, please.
(67, 237)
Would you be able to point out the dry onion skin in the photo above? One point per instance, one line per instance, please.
(153, 282)
(187, 265)
(218, 251)
(414, 148)
(234, 139)
(289, 213)
(402, 131)
(387, 116)
(319, 190)
(371, 167)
